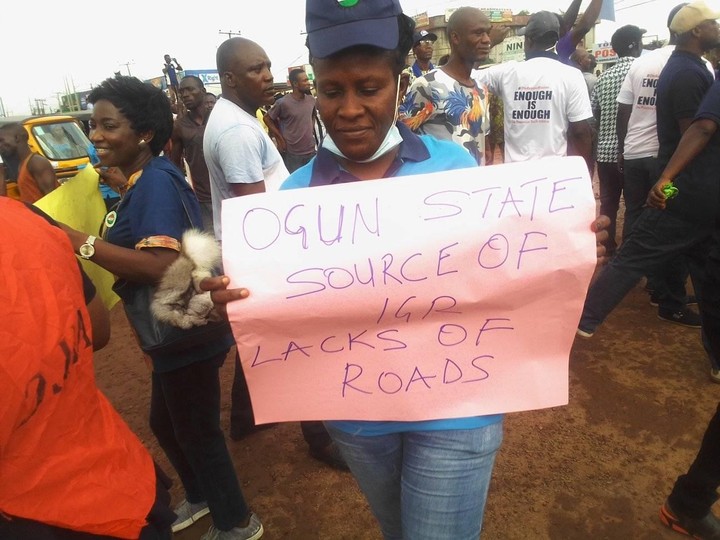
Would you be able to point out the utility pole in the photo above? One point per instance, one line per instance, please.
(127, 66)
(40, 105)
(229, 33)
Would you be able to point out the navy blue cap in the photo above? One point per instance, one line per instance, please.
(334, 25)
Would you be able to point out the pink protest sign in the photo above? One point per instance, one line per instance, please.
(437, 296)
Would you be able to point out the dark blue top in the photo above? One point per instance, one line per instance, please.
(698, 198)
(161, 203)
(681, 87)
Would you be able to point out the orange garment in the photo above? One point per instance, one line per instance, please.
(29, 190)
(12, 190)
(66, 456)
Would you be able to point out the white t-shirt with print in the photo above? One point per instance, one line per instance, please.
(238, 151)
(541, 97)
(639, 89)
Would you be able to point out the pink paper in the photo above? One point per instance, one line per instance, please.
(436, 296)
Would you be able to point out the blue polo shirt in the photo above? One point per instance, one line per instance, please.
(698, 185)
(681, 88)
(417, 154)
(161, 203)
(682, 84)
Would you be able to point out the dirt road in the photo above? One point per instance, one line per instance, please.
(598, 468)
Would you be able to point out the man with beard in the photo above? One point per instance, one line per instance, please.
(290, 121)
(187, 142)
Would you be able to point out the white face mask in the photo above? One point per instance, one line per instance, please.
(392, 138)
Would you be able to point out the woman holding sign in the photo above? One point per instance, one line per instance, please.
(425, 479)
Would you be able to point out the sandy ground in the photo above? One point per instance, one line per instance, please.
(599, 468)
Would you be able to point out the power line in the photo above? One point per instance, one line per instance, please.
(635, 5)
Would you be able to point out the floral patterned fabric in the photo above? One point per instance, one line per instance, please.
(438, 105)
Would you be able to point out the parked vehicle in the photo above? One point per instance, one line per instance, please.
(61, 139)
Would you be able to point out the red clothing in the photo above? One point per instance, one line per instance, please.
(29, 189)
(66, 456)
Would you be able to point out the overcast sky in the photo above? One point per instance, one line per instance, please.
(42, 47)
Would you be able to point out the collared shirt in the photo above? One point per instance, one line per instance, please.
(680, 89)
(413, 157)
(416, 155)
(604, 99)
(439, 105)
(416, 71)
(327, 170)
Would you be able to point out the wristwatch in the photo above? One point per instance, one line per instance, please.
(87, 250)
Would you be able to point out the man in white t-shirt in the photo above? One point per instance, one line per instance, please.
(547, 107)
(240, 156)
(636, 127)
(242, 160)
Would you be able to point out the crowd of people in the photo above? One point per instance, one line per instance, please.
(649, 124)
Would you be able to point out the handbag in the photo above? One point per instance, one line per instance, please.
(159, 337)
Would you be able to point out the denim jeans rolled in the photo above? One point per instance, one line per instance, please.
(657, 238)
(424, 485)
(185, 418)
(611, 188)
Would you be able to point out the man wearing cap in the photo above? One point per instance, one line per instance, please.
(423, 51)
(685, 227)
(446, 102)
(636, 128)
(688, 509)
(547, 107)
(627, 43)
(426, 479)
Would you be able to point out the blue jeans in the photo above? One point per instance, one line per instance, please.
(424, 484)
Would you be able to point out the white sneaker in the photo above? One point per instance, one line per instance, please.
(188, 513)
(584, 334)
(253, 531)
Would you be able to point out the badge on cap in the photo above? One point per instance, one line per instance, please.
(347, 3)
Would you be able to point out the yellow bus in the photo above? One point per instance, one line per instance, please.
(60, 138)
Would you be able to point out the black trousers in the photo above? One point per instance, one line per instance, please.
(185, 418)
(696, 491)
